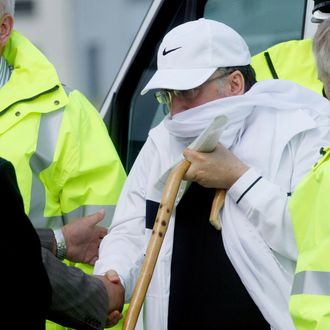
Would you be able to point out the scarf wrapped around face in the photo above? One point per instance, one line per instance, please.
(279, 95)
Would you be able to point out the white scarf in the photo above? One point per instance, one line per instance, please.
(280, 95)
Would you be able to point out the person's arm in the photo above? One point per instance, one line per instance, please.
(88, 177)
(89, 302)
(47, 239)
(79, 300)
(264, 203)
(123, 247)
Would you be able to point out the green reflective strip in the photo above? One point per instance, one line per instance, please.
(311, 282)
(42, 158)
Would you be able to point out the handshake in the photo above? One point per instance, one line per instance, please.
(116, 293)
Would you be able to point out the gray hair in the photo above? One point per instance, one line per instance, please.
(246, 70)
(7, 7)
(321, 49)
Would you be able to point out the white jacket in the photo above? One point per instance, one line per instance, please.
(277, 128)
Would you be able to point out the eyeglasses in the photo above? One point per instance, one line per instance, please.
(165, 96)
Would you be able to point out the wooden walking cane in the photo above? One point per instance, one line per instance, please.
(206, 142)
(158, 233)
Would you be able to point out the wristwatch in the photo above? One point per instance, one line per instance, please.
(60, 243)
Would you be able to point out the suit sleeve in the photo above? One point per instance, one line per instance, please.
(47, 238)
(79, 300)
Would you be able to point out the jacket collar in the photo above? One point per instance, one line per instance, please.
(32, 76)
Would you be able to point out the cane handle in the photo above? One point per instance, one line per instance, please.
(217, 204)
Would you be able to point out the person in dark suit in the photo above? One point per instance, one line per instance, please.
(30, 291)
(41, 285)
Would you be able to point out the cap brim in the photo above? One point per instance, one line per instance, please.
(178, 79)
(320, 15)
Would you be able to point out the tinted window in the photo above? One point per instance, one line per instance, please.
(261, 23)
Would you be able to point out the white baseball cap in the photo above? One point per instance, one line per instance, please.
(321, 10)
(191, 52)
(319, 15)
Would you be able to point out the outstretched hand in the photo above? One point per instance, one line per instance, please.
(83, 237)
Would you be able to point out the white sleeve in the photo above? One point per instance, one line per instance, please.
(265, 204)
(123, 247)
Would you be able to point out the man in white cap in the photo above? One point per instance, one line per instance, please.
(239, 278)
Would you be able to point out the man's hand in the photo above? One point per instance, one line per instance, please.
(116, 294)
(83, 237)
(217, 169)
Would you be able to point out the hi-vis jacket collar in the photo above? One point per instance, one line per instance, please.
(33, 76)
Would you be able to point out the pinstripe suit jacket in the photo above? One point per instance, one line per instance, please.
(74, 299)
(79, 301)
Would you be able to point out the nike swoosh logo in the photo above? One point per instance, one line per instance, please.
(165, 52)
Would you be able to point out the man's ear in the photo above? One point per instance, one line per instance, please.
(236, 83)
(6, 26)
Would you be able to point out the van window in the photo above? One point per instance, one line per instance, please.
(261, 23)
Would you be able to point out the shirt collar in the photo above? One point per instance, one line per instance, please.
(5, 71)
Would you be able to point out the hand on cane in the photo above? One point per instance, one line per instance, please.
(217, 169)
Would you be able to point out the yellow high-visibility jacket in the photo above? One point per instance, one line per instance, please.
(290, 60)
(309, 206)
(58, 143)
(65, 161)
(310, 212)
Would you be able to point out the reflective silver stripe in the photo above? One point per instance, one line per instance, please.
(311, 282)
(42, 158)
(90, 209)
